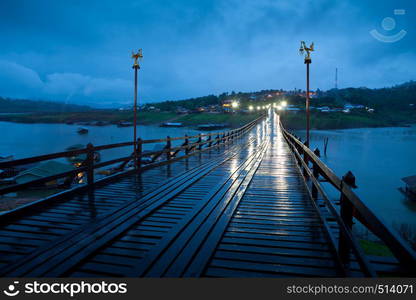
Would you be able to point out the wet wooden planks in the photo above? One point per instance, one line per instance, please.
(58, 220)
(265, 227)
(148, 239)
(275, 230)
(42, 224)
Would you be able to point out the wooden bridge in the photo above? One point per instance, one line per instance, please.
(243, 203)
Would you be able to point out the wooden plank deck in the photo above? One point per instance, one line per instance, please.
(239, 211)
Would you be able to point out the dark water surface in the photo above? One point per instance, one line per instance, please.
(25, 140)
(379, 158)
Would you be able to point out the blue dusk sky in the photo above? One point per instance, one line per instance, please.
(80, 51)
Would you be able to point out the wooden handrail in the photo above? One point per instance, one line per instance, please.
(33, 159)
(400, 248)
(316, 187)
(89, 166)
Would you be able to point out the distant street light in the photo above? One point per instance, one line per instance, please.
(307, 50)
(136, 66)
(235, 104)
(250, 108)
(258, 107)
(283, 103)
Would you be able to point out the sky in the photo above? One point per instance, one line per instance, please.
(79, 51)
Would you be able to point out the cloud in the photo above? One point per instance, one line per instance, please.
(17, 80)
(80, 50)
(21, 82)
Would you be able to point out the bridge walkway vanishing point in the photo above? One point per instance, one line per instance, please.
(241, 210)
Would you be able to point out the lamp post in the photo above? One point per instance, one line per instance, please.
(136, 67)
(304, 49)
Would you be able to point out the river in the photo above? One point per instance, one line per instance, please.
(379, 158)
(25, 140)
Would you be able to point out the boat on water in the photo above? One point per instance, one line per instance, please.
(172, 124)
(100, 123)
(82, 130)
(124, 124)
(212, 126)
(43, 169)
(410, 189)
(6, 158)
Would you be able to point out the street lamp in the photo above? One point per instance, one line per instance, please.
(258, 107)
(283, 103)
(234, 104)
(136, 66)
(250, 108)
(307, 51)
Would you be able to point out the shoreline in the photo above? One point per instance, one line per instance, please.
(144, 118)
(319, 121)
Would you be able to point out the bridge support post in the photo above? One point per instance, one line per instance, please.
(306, 160)
(186, 143)
(90, 165)
(199, 141)
(217, 138)
(315, 174)
(346, 212)
(168, 148)
(209, 139)
(139, 149)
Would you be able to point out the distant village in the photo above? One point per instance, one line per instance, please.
(251, 102)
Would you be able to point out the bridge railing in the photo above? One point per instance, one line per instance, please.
(144, 159)
(351, 208)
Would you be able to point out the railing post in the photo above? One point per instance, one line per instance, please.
(306, 160)
(90, 165)
(217, 138)
(346, 212)
(209, 139)
(186, 143)
(168, 148)
(139, 151)
(199, 141)
(315, 174)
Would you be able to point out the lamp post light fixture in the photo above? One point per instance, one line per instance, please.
(136, 56)
(235, 104)
(258, 107)
(307, 51)
(250, 108)
(283, 103)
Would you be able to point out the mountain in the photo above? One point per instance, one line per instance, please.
(398, 97)
(23, 106)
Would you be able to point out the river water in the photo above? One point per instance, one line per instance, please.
(379, 158)
(25, 140)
